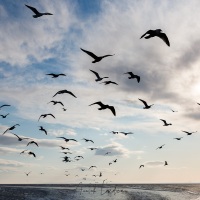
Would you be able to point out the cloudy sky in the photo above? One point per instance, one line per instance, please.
(31, 48)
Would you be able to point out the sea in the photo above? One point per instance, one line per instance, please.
(100, 191)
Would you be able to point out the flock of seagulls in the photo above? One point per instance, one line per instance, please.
(149, 34)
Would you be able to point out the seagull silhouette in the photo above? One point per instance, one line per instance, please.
(79, 157)
(45, 115)
(27, 173)
(109, 82)
(132, 76)
(165, 163)
(4, 116)
(126, 133)
(179, 138)
(87, 140)
(97, 75)
(92, 166)
(37, 13)
(19, 138)
(67, 140)
(96, 58)
(115, 160)
(145, 104)
(160, 147)
(32, 142)
(64, 91)
(189, 133)
(165, 123)
(141, 166)
(4, 106)
(56, 75)
(56, 102)
(92, 149)
(158, 33)
(63, 148)
(110, 163)
(31, 153)
(42, 129)
(23, 151)
(11, 128)
(103, 107)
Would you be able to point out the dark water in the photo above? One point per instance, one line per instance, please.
(101, 192)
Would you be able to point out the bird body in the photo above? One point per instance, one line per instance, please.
(125, 133)
(92, 149)
(32, 142)
(31, 153)
(87, 140)
(160, 147)
(64, 91)
(109, 82)
(179, 138)
(92, 167)
(19, 138)
(141, 166)
(67, 140)
(165, 163)
(3, 106)
(4, 116)
(132, 76)
(189, 133)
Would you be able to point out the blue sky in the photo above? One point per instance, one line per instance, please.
(31, 48)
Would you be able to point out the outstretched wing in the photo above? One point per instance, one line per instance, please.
(144, 102)
(98, 103)
(164, 37)
(112, 110)
(90, 53)
(148, 32)
(33, 9)
(71, 94)
(51, 115)
(97, 75)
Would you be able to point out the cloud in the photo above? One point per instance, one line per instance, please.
(11, 163)
(7, 150)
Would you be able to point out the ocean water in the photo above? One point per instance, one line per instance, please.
(101, 192)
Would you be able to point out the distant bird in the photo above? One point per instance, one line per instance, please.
(37, 13)
(4, 106)
(115, 160)
(79, 157)
(179, 138)
(56, 75)
(87, 140)
(64, 91)
(174, 110)
(45, 115)
(83, 170)
(64, 109)
(165, 163)
(109, 82)
(141, 166)
(107, 153)
(96, 58)
(145, 104)
(19, 138)
(11, 128)
(4, 116)
(160, 147)
(165, 123)
(66, 152)
(67, 174)
(189, 133)
(92, 166)
(92, 149)
(158, 33)
(31, 153)
(56, 102)
(104, 180)
(23, 151)
(98, 77)
(132, 76)
(100, 175)
(67, 140)
(63, 148)
(110, 163)
(103, 107)
(42, 129)
(126, 133)
(27, 173)
(32, 142)
(114, 132)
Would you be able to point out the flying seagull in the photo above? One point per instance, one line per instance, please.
(67, 140)
(92, 167)
(87, 140)
(178, 138)
(37, 13)
(11, 128)
(141, 166)
(165, 123)
(63, 148)
(189, 133)
(4, 116)
(96, 58)
(32, 142)
(115, 160)
(27, 173)
(103, 107)
(126, 133)
(31, 153)
(23, 151)
(158, 33)
(160, 147)
(56, 75)
(45, 115)
(3, 106)
(109, 82)
(107, 153)
(98, 77)
(92, 149)
(132, 76)
(42, 129)
(145, 104)
(19, 138)
(64, 91)
(56, 102)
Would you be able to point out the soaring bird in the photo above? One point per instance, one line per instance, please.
(83, 170)
(32, 142)
(87, 140)
(115, 160)
(160, 147)
(110, 163)
(92, 149)
(27, 173)
(56, 75)
(92, 166)
(64, 91)
(63, 148)
(37, 13)
(158, 33)
(174, 110)
(4, 116)
(4, 106)
(178, 138)
(45, 115)
(189, 133)
(56, 102)
(79, 157)
(66, 152)
(165, 123)
(64, 109)
(31, 153)
(98, 77)
(145, 104)
(96, 58)
(23, 151)
(42, 129)
(114, 132)
(109, 82)
(141, 166)
(67, 140)
(19, 138)
(126, 133)
(132, 76)
(165, 163)
(103, 107)
(11, 128)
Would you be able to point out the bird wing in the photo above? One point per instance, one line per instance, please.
(112, 110)
(144, 102)
(97, 75)
(33, 9)
(148, 32)
(164, 37)
(40, 117)
(51, 74)
(51, 115)
(56, 93)
(98, 102)
(163, 121)
(90, 53)
(5, 131)
(16, 135)
(60, 103)
(47, 14)
(73, 140)
(62, 138)
(71, 93)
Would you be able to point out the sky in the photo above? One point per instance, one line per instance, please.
(169, 79)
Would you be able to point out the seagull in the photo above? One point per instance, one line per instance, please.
(56, 75)
(67, 140)
(42, 129)
(179, 138)
(115, 160)
(63, 148)
(160, 147)
(19, 138)
(31, 153)
(79, 157)
(165, 123)
(165, 163)
(103, 107)
(107, 153)
(4, 116)
(145, 104)
(158, 33)
(92, 149)
(141, 166)
(114, 132)
(96, 58)
(109, 82)
(4, 106)
(132, 76)
(110, 163)
(98, 77)
(86, 140)
(33, 142)
(23, 151)
(37, 13)
(189, 133)
(174, 110)
(11, 128)
(64, 91)
(27, 173)
(92, 167)
(64, 109)
(45, 115)
(56, 102)
(126, 133)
